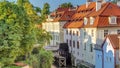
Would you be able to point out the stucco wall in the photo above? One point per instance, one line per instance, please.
(54, 29)
(89, 37)
(100, 33)
(98, 58)
(108, 53)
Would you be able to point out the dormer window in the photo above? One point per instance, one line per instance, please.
(91, 20)
(113, 20)
(85, 21)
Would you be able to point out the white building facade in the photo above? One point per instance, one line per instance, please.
(93, 23)
(108, 52)
(55, 22)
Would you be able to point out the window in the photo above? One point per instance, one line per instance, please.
(92, 32)
(70, 42)
(118, 31)
(91, 48)
(105, 32)
(67, 41)
(85, 21)
(84, 46)
(110, 59)
(91, 20)
(74, 44)
(98, 56)
(70, 32)
(77, 33)
(73, 32)
(78, 45)
(112, 20)
(66, 31)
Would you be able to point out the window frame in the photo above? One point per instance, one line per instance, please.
(105, 32)
(92, 33)
(112, 20)
(91, 47)
(78, 45)
(118, 31)
(85, 21)
(92, 20)
(66, 32)
(70, 33)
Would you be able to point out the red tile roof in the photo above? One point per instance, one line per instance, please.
(102, 22)
(101, 16)
(62, 14)
(81, 12)
(67, 15)
(114, 40)
(78, 24)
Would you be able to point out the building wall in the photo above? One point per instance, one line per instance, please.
(89, 38)
(93, 36)
(62, 31)
(76, 53)
(67, 37)
(117, 57)
(100, 33)
(54, 29)
(108, 55)
(98, 58)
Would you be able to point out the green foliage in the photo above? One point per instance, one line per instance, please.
(37, 9)
(12, 21)
(66, 5)
(12, 67)
(42, 36)
(18, 33)
(43, 59)
(45, 11)
(46, 58)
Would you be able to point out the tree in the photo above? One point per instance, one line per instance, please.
(37, 9)
(43, 59)
(12, 22)
(18, 33)
(66, 5)
(45, 11)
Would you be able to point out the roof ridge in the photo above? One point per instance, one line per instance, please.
(104, 8)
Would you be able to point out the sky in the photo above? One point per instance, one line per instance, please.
(54, 3)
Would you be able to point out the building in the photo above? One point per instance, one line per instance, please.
(88, 27)
(107, 56)
(54, 24)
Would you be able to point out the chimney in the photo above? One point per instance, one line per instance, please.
(118, 3)
(98, 4)
(88, 2)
